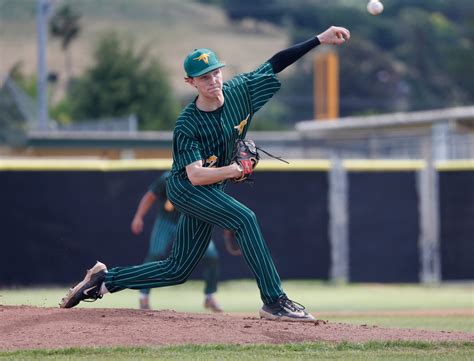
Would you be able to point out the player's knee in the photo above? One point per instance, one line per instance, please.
(180, 280)
(248, 218)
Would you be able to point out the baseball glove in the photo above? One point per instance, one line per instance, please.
(246, 156)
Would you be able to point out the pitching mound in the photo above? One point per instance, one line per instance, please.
(24, 327)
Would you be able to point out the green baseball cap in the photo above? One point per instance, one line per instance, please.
(201, 61)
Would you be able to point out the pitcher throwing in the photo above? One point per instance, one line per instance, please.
(203, 141)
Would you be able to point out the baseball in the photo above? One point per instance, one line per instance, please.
(374, 7)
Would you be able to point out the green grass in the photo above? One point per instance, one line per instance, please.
(243, 297)
(438, 323)
(322, 299)
(171, 28)
(307, 351)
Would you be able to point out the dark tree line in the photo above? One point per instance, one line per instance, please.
(418, 54)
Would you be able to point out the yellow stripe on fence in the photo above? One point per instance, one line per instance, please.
(370, 165)
(265, 165)
(84, 164)
(141, 164)
(454, 165)
(295, 165)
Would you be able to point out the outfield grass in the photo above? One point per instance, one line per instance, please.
(322, 299)
(438, 323)
(243, 297)
(307, 351)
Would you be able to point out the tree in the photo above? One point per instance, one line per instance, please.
(64, 24)
(416, 55)
(124, 81)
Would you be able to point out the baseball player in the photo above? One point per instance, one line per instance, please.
(162, 236)
(203, 142)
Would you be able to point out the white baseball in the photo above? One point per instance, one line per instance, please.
(374, 7)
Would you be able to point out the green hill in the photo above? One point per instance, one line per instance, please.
(171, 28)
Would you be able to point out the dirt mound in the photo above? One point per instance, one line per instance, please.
(24, 327)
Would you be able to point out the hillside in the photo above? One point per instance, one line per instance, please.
(170, 28)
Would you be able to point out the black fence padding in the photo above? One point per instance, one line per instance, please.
(291, 209)
(457, 224)
(58, 223)
(383, 227)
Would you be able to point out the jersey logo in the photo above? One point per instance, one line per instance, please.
(203, 57)
(211, 161)
(241, 126)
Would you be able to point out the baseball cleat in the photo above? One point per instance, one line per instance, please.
(88, 289)
(285, 309)
(211, 304)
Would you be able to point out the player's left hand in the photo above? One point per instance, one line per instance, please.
(246, 156)
(334, 35)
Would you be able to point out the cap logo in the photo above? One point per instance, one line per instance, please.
(203, 57)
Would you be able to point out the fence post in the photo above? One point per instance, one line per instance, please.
(435, 147)
(338, 221)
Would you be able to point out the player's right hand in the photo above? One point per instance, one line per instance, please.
(334, 35)
(137, 225)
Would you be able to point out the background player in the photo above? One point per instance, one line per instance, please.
(205, 133)
(162, 237)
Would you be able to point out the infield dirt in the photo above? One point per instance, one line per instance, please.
(25, 327)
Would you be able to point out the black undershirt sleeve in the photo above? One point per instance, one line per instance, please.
(286, 57)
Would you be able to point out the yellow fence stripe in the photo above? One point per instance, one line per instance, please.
(367, 165)
(382, 165)
(85, 165)
(143, 164)
(295, 165)
(453, 165)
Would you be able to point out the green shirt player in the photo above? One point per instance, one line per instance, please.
(163, 235)
(203, 141)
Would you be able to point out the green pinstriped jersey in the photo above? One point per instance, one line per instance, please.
(210, 136)
(158, 188)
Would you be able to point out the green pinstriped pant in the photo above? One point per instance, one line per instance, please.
(202, 208)
(163, 235)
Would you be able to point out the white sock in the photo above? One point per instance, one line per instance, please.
(103, 289)
(143, 296)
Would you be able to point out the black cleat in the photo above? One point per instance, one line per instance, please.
(88, 289)
(285, 309)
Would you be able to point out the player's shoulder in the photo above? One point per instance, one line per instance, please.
(186, 122)
(264, 69)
